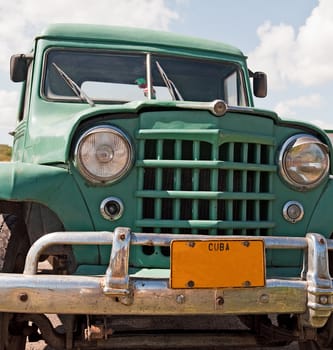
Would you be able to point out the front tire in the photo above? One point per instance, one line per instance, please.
(14, 245)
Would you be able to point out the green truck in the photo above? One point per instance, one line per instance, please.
(148, 202)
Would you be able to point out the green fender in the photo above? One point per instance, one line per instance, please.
(322, 217)
(49, 185)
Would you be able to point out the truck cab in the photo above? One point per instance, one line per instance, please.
(148, 200)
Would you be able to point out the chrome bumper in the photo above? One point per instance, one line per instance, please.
(119, 293)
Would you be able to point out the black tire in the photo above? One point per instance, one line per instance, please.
(14, 245)
(324, 338)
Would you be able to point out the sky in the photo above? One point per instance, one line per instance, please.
(290, 40)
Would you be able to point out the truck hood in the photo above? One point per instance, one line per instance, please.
(49, 139)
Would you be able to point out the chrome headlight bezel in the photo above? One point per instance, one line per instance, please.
(295, 178)
(110, 176)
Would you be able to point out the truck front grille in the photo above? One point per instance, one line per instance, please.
(204, 182)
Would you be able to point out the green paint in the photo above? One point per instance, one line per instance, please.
(193, 172)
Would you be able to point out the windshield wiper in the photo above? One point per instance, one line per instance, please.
(175, 94)
(73, 86)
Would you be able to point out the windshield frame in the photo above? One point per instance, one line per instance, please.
(147, 56)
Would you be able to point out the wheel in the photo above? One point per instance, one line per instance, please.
(14, 245)
(324, 338)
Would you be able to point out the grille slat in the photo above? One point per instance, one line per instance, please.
(196, 186)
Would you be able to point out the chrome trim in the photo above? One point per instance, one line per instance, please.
(84, 295)
(116, 277)
(286, 215)
(104, 211)
(119, 293)
(303, 138)
(319, 281)
(216, 107)
(87, 175)
(156, 239)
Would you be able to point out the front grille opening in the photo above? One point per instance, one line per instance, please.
(237, 181)
(169, 149)
(148, 208)
(148, 230)
(263, 211)
(237, 210)
(221, 210)
(167, 209)
(203, 209)
(186, 209)
(206, 197)
(251, 232)
(203, 232)
(222, 232)
(149, 179)
(251, 153)
(264, 159)
(264, 183)
(224, 152)
(205, 151)
(150, 149)
(238, 153)
(222, 180)
(238, 232)
(168, 175)
(250, 211)
(204, 180)
(187, 150)
(186, 231)
(186, 180)
(251, 181)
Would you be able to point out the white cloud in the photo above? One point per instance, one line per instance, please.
(289, 107)
(8, 102)
(323, 125)
(305, 108)
(21, 20)
(303, 55)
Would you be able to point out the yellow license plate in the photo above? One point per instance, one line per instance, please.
(217, 263)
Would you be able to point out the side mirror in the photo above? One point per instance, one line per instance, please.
(259, 84)
(19, 67)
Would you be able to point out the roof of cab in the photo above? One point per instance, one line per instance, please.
(123, 35)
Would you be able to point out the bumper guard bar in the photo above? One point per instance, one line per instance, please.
(119, 293)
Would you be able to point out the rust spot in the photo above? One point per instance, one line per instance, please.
(122, 237)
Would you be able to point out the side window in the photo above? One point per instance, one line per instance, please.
(233, 90)
(25, 95)
(230, 89)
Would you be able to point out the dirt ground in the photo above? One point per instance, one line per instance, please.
(36, 346)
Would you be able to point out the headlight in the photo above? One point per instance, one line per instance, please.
(103, 154)
(304, 161)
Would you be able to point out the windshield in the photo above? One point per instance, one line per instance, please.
(115, 77)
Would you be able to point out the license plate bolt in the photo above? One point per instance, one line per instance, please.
(190, 284)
